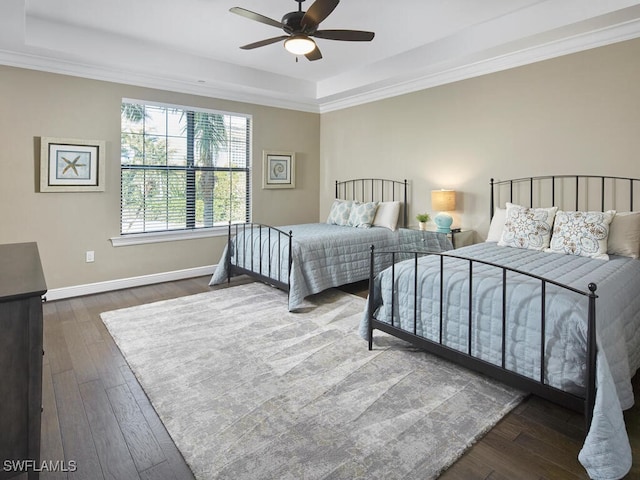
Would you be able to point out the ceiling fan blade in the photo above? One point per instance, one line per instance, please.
(345, 35)
(243, 12)
(314, 54)
(317, 12)
(263, 43)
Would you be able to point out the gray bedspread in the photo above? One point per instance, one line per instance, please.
(606, 453)
(323, 255)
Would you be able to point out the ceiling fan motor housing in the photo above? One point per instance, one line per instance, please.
(292, 23)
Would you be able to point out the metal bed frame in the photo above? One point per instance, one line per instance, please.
(264, 270)
(607, 191)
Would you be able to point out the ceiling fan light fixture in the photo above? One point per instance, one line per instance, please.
(299, 44)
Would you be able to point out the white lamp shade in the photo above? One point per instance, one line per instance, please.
(443, 200)
(299, 44)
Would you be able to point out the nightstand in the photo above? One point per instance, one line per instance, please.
(459, 237)
(414, 239)
(462, 237)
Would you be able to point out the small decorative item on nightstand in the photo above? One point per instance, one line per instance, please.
(443, 201)
(422, 218)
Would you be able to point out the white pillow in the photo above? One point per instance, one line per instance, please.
(624, 235)
(339, 213)
(362, 214)
(497, 225)
(527, 227)
(387, 215)
(582, 233)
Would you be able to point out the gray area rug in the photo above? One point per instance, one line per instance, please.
(249, 390)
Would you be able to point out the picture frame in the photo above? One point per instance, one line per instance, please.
(278, 169)
(72, 165)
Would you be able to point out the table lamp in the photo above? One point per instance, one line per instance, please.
(443, 201)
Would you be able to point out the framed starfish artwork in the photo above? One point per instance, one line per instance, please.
(71, 165)
(278, 169)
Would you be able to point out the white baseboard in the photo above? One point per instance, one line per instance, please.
(99, 287)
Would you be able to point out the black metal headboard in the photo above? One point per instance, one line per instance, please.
(576, 192)
(375, 190)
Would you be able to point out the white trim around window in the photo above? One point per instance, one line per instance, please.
(168, 236)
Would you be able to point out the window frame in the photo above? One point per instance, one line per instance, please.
(190, 231)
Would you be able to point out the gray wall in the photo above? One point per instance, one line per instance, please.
(574, 114)
(65, 225)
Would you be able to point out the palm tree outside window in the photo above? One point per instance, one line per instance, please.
(183, 168)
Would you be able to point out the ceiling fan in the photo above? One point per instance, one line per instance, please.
(300, 26)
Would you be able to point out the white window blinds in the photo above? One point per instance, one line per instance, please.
(183, 168)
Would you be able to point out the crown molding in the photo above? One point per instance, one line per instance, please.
(577, 43)
(389, 87)
(235, 92)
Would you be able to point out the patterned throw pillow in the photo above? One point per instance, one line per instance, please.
(582, 233)
(362, 214)
(527, 227)
(339, 214)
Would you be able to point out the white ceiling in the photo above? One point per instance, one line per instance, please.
(193, 45)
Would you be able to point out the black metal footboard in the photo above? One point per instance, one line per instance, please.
(466, 358)
(245, 257)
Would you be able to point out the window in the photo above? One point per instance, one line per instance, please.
(183, 168)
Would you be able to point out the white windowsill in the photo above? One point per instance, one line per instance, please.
(156, 237)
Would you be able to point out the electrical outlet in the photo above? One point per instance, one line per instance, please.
(90, 256)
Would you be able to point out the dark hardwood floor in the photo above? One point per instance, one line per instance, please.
(97, 415)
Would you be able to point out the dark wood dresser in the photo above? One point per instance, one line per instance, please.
(22, 285)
